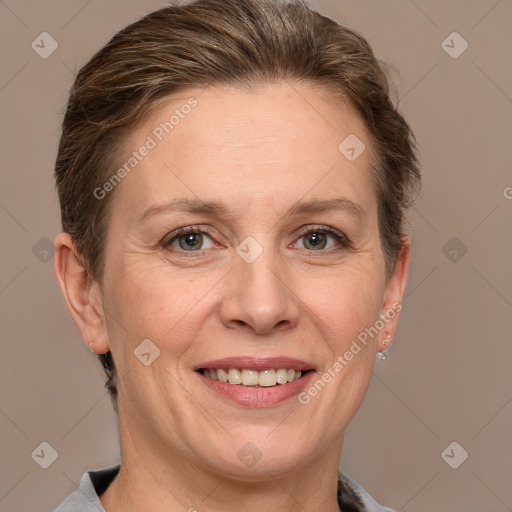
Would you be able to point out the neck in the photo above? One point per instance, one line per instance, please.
(132, 493)
(151, 479)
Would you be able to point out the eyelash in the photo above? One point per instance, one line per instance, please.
(342, 239)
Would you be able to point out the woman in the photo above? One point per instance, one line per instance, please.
(233, 179)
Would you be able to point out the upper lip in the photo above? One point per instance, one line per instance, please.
(256, 363)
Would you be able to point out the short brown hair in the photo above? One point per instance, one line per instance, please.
(232, 42)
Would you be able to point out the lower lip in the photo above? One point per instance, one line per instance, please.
(257, 396)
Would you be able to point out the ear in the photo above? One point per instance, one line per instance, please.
(395, 288)
(82, 294)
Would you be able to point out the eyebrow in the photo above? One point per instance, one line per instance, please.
(198, 206)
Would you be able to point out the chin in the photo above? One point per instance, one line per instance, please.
(257, 456)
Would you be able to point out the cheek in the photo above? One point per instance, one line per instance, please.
(347, 303)
(348, 308)
(150, 304)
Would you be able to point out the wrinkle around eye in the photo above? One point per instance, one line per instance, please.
(339, 241)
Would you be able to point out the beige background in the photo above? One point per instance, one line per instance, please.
(448, 377)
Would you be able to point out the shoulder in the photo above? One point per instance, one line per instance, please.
(353, 497)
(92, 485)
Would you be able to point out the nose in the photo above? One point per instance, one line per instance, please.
(259, 297)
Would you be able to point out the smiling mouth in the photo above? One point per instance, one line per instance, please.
(253, 378)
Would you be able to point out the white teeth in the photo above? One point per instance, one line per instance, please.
(267, 378)
(246, 377)
(222, 375)
(281, 376)
(249, 377)
(234, 376)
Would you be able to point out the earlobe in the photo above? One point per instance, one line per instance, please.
(395, 289)
(82, 294)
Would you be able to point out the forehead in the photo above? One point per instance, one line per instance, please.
(266, 145)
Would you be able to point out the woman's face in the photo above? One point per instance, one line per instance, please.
(282, 269)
